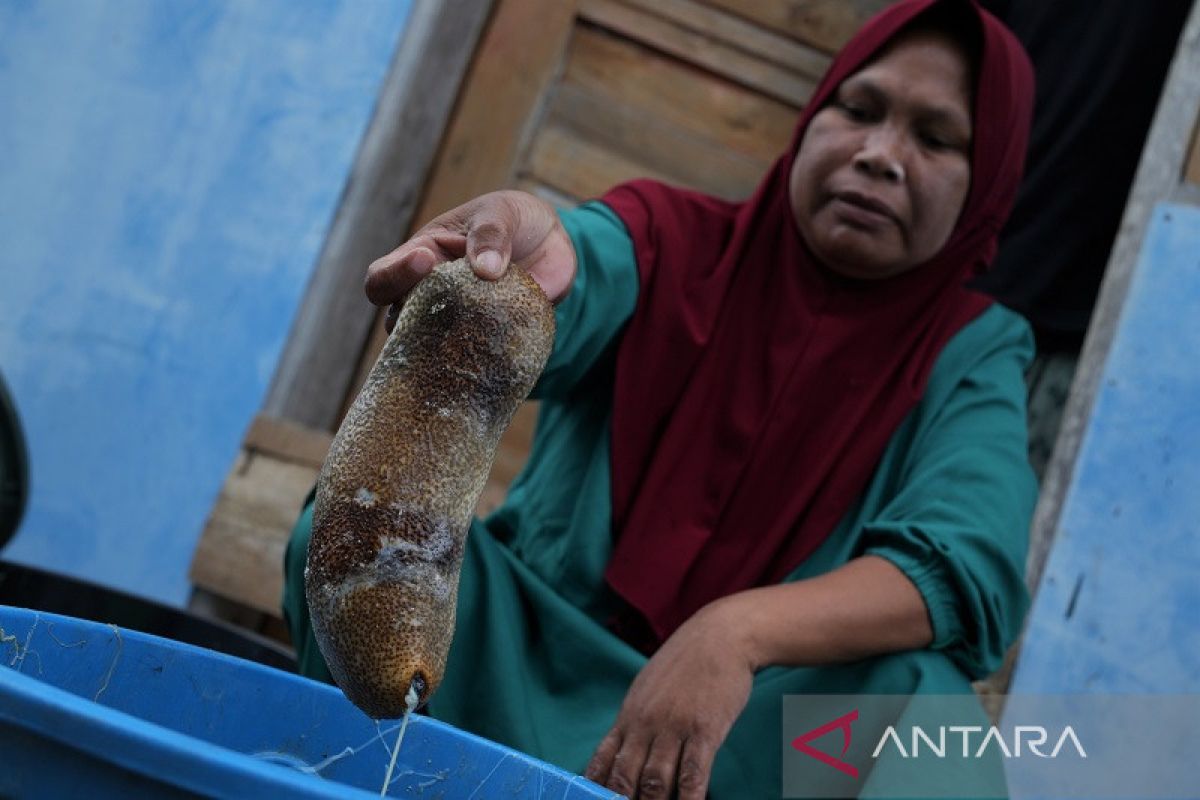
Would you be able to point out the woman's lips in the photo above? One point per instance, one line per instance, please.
(863, 210)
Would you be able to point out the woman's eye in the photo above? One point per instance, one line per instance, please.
(937, 141)
(933, 141)
(855, 111)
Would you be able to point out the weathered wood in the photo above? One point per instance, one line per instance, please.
(317, 366)
(287, 441)
(240, 554)
(1157, 179)
(825, 24)
(684, 158)
(1191, 173)
(572, 164)
(735, 31)
(586, 142)
(746, 69)
(622, 73)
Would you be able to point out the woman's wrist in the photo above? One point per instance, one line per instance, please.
(749, 625)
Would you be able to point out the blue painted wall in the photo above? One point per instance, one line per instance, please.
(168, 171)
(1118, 609)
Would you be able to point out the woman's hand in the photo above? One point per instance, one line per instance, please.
(684, 701)
(492, 231)
(678, 711)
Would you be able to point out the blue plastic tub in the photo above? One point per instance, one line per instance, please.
(91, 710)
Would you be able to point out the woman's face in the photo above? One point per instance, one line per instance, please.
(883, 170)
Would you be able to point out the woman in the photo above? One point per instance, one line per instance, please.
(781, 447)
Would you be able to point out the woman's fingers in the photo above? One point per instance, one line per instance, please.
(695, 768)
(600, 766)
(678, 710)
(392, 277)
(482, 230)
(491, 231)
(667, 767)
(657, 779)
(627, 766)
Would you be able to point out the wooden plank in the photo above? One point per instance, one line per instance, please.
(287, 441)
(735, 31)
(623, 73)
(1191, 173)
(240, 554)
(629, 135)
(576, 166)
(317, 367)
(732, 63)
(824, 24)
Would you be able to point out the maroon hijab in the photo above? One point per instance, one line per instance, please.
(755, 392)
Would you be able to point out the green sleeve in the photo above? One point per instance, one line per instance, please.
(309, 661)
(600, 301)
(958, 522)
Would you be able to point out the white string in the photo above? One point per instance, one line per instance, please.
(410, 701)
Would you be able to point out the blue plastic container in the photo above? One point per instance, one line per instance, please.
(91, 710)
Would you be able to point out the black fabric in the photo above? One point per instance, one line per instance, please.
(1100, 68)
(14, 467)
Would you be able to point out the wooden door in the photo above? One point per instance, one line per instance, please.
(564, 100)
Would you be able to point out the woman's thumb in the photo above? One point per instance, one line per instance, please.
(490, 239)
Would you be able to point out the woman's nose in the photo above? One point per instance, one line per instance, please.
(880, 156)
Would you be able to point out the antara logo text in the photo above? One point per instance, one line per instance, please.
(972, 741)
(1034, 737)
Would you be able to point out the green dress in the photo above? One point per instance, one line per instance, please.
(532, 665)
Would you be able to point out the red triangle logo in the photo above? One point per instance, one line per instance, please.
(842, 723)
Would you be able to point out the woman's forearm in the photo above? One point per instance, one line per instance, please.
(865, 608)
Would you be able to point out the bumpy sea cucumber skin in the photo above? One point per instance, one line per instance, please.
(399, 486)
